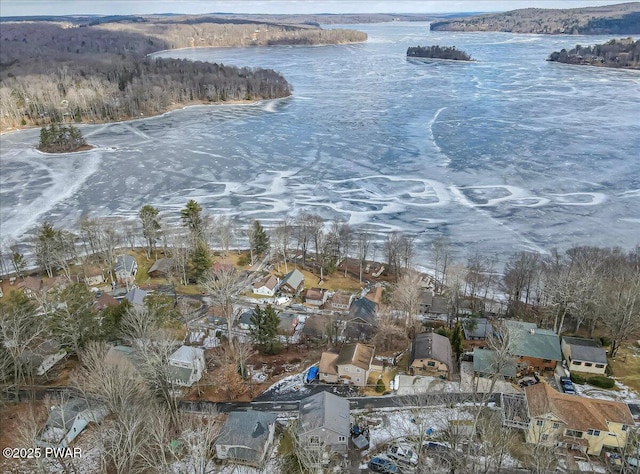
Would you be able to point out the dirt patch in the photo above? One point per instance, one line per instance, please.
(626, 366)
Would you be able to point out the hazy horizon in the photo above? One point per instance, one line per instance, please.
(142, 7)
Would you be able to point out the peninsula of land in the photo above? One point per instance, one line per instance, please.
(97, 69)
(621, 19)
(623, 53)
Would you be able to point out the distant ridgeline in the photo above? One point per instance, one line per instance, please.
(438, 52)
(621, 19)
(624, 53)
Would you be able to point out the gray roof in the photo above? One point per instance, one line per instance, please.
(486, 362)
(294, 278)
(363, 308)
(180, 374)
(125, 263)
(245, 317)
(483, 329)
(430, 345)
(324, 410)
(248, 429)
(531, 341)
(163, 265)
(586, 350)
(439, 305)
(136, 296)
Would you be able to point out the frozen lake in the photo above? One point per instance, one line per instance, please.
(507, 153)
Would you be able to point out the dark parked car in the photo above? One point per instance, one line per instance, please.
(431, 446)
(567, 385)
(383, 465)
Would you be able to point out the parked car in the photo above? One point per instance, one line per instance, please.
(633, 462)
(403, 454)
(432, 446)
(567, 385)
(383, 465)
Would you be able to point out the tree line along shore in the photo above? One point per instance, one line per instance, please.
(100, 71)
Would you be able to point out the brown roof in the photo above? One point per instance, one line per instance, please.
(315, 294)
(106, 300)
(328, 363)
(578, 413)
(31, 283)
(341, 298)
(270, 282)
(375, 295)
(357, 354)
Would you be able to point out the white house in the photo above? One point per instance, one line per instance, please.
(186, 365)
(267, 286)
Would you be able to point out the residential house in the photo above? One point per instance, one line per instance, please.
(577, 423)
(584, 355)
(316, 296)
(266, 286)
(339, 301)
(123, 358)
(536, 349)
(354, 363)
(32, 286)
(425, 301)
(359, 324)
(319, 327)
(94, 276)
(67, 421)
(105, 301)
(244, 320)
(439, 308)
(375, 294)
(431, 354)
(327, 369)
(486, 363)
(136, 297)
(246, 437)
(162, 268)
(42, 358)
(186, 365)
(288, 324)
(126, 269)
(324, 422)
(477, 329)
(292, 283)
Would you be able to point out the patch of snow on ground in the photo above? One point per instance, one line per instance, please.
(586, 466)
(292, 383)
(622, 394)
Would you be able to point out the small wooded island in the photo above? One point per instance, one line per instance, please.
(623, 53)
(438, 52)
(59, 138)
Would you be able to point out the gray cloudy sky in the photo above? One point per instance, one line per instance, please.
(127, 7)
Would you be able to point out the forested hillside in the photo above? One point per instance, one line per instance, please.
(96, 71)
(611, 19)
(624, 53)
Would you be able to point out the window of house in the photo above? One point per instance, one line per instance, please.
(539, 422)
(625, 427)
(588, 364)
(593, 432)
(315, 440)
(556, 426)
(573, 433)
(545, 437)
(341, 438)
(358, 370)
(546, 361)
(346, 369)
(600, 366)
(576, 362)
(431, 363)
(357, 379)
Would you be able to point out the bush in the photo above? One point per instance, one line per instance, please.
(244, 260)
(576, 378)
(602, 381)
(380, 386)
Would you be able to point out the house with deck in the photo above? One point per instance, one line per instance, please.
(352, 365)
(575, 422)
(536, 349)
(267, 286)
(126, 269)
(292, 283)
